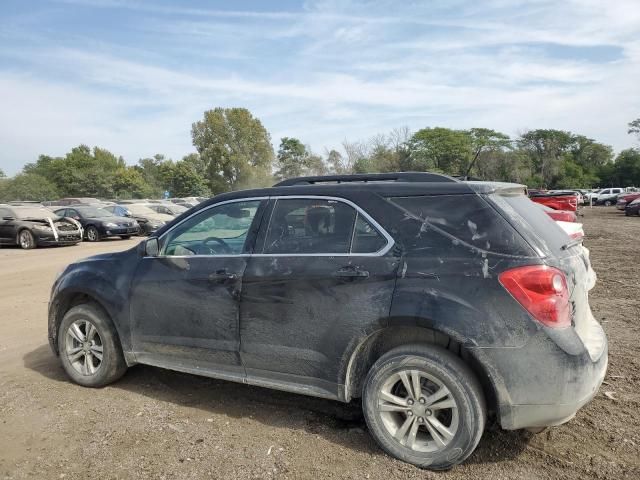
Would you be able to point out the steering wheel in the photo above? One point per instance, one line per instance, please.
(225, 247)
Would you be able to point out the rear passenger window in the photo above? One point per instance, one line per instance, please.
(366, 239)
(303, 225)
(465, 218)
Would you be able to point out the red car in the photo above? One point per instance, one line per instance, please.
(557, 201)
(559, 215)
(625, 199)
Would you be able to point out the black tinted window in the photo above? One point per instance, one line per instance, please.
(366, 239)
(466, 218)
(310, 226)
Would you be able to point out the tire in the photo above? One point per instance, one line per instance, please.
(26, 240)
(437, 368)
(125, 237)
(607, 203)
(81, 360)
(92, 234)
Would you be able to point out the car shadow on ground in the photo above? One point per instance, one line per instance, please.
(337, 422)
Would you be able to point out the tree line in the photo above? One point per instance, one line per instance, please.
(234, 151)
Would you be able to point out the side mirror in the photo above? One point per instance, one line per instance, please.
(151, 247)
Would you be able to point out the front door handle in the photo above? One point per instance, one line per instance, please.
(351, 272)
(222, 276)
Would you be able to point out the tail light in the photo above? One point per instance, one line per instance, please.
(542, 291)
(577, 235)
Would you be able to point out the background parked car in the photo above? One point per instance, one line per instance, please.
(607, 196)
(559, 215)
(99, 223)
(148, 219)
(33, 226)
(633, 208)
(172, 209)
(561, 201)
(63, 202)
(625, 198)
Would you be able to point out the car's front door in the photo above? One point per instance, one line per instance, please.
(185, 301)
(315, 286)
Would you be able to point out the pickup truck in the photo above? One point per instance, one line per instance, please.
(558, 201)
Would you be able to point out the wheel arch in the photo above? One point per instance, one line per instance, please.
(66, 301)
(377, 343)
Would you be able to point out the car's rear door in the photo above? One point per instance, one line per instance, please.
(322, 275)
(185, 302)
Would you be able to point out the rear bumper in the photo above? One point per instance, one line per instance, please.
(543, 384)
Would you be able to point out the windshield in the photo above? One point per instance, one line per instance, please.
(29, 212)
(140, 210)
(93, 212)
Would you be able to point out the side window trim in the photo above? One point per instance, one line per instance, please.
(209, 207)
(359, 211)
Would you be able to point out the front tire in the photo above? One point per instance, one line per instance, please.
(423, 405)
(607, 203)
(125, 237)
(26, 240)
(89, 348)
(92, 234)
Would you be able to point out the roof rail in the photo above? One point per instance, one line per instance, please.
(412, 177)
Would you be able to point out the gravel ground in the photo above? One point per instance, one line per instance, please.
(161, 424)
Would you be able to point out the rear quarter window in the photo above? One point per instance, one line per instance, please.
(465, 219)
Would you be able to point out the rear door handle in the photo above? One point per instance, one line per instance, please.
(351, 272)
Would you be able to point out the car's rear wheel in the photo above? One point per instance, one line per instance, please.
(424, 406)
(26, 240)
(89, 348)
(125, 237)
(92, 234)
(607, 203)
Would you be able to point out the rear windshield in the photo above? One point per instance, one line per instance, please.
(537, 227)
(469, 219)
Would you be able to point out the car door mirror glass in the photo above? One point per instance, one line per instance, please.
(151, 247)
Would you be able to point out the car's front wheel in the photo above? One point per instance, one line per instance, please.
(607, 203)
(424, 406)
(92, 234)
(26, 240)
(89, 348)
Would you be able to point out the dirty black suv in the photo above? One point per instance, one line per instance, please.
(436, 302)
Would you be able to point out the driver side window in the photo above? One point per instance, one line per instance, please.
(220, 230)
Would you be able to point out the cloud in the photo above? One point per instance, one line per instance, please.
(133, 76)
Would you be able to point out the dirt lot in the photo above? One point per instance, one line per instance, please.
(161, 424)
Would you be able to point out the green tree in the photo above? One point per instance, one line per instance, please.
(634, 127)
(624, 172)
(129, 182)
(2, 174)
(336, 163)
(484, 143)
(27, 186)
(441, 150)
(182, 180)
(545, 149)
(234, 146)
(294, 160)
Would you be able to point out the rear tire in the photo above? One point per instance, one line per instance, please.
(26, 240)
(89, 348)
(125, 237)
(607, 203)
(436, 428)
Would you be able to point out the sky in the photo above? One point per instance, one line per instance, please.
(133, 75)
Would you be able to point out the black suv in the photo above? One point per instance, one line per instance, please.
(437, 302)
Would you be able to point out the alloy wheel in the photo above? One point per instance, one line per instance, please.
(92, 234)
(25, 239)
(84, 347)
(418, 411)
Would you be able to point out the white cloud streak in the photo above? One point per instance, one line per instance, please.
(329, 71)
